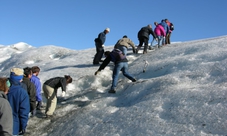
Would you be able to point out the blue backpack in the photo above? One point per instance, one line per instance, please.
(117, 55)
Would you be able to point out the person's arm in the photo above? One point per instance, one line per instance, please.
(104, 64)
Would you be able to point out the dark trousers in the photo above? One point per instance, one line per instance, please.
(99, 53)
(145, 41)
(168, 38)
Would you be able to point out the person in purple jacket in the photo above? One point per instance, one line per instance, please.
(19, 101)
(36, 81)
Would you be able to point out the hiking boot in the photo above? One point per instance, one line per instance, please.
(112, 91)
(134, 80)
(49, 116)
(144, 52)
(151, 48)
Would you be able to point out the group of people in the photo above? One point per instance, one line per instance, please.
(161, 34)
(21, 97)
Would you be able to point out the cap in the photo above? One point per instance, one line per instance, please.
(125, 36)
(107, 29)
(16, 73)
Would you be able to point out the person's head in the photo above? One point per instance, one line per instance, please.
(155, 23)
(16, 74)
(35, 70)
(106, 53)
(28, 72)
(125, 36)
(107, 30)
(166, 20)
(4, 85)
(68, 79)
(149, 26)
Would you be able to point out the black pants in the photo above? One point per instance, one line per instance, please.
(99, 53)
(145, 41)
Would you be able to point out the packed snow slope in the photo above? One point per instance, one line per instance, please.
(183, 91)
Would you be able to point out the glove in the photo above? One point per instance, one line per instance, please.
(22, 132)
(63, 94)
(103, 45)
(97, 72)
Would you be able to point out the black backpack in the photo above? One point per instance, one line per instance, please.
(171, 27)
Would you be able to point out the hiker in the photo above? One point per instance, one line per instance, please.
(99, 44)
(143, 36)
(6, 115)
(30, 89)
(121, 64)
(160, 33)
(124, 43)
(171, 28)
(36, 81)
(50, 88)
(166, 28)
(19, 101)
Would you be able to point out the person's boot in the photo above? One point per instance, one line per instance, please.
(137, 49)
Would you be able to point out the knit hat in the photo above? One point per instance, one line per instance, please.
(107, 29)
(16, 74)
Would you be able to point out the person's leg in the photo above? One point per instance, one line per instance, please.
(169, 38)
(99, 53)
(160, 39)
(126, 73)
(51, 97)
(140, 45)
(116, 71)
(145, 45)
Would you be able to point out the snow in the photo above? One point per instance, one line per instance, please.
(182, 92)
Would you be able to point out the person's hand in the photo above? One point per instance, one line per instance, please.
(156, 39)
(63, 94)
(97, 72)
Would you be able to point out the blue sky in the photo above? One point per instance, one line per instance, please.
(75, 24)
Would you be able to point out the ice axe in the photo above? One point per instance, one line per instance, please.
(145, 66)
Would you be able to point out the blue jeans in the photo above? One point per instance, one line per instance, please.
(160, 41)
(123, 49)
(122, 66)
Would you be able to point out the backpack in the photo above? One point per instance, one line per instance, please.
(117, 55)
(171, 27)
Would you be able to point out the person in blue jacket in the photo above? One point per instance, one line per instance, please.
(99, 44)
(166, 28)
(19, 101)
(36, 81)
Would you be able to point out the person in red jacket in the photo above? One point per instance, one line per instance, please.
(168, 35)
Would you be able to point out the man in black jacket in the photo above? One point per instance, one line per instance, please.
(30, 89)
(99, 43)
(143, 36)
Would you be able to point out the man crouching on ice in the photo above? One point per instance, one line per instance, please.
(121, 64)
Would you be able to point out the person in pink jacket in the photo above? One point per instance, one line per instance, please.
(160, 32)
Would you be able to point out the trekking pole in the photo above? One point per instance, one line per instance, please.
(145, 66)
